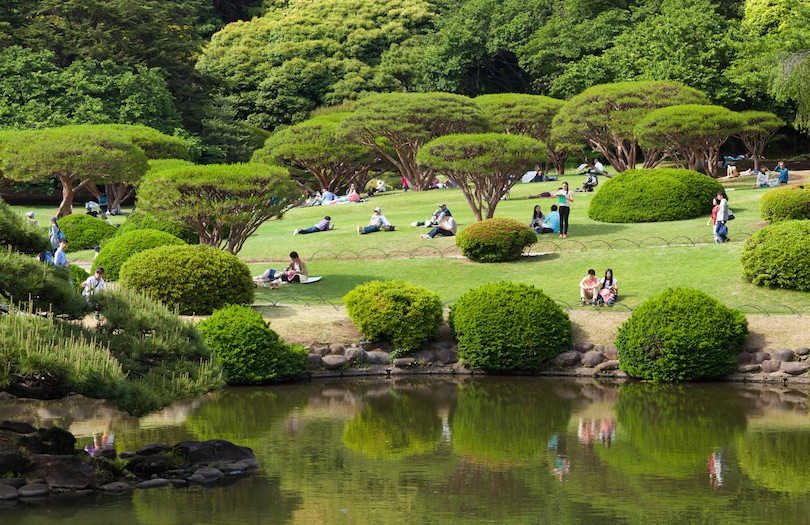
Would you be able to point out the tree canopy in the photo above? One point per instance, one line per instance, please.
(759, 128)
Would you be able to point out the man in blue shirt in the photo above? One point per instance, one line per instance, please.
(552, 222)
(59, 257)
(783, 172)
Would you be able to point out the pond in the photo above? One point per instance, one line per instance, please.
(473, 450)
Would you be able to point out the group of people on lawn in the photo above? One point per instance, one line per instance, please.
(595, 291)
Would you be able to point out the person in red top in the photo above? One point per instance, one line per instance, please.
(715, 208)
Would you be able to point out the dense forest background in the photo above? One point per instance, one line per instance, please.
(223, 74)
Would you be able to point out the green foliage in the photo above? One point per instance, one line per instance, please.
(406, 314)
(121, 247)
(664, 194)
(509, 327)
(19, 234)
(140, 220)
(482, 165)
(250, 352)
(786, 202)
(194, 279)
(681, 335)
(77, 276)
(495, 240)
(759, 127)
(155, 145)
(83, 231)
(39, 287)
(776, 255)
(774, 459)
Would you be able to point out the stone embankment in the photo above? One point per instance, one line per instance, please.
(585, 359)
(43, 463)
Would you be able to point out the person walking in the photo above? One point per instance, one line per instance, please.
(55, 234)
(720, 227)
(564, 199)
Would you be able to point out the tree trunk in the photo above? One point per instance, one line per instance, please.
(66, 206)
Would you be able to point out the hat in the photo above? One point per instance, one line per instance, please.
(378, 209)
(99, 269)
(442, 205)
(30, 214)
(53, 219)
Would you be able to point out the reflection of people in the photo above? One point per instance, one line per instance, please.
(715, 464)
(322, 226)
(376, 223)
(562, 467)
(588, 288)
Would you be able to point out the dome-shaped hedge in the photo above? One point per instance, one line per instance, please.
(117, 250)
(657, 195)
(786, 202)
(495, 240)
(506, 326)
(681, 334)
(83, 231)
(197, 279)
(406, 314)
(140, 220)
(777, 255)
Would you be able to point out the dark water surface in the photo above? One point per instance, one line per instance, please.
(471, 450)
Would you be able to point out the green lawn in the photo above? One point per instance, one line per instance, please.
(646, 258)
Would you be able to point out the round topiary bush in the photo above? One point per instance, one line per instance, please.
(681, 334)
(505, 326)
(654, 195)
(140, 220)
(121, 247)
(83, 232)
(249, 351)
(776, 255)
(196, 279)
(787, 202)
(403, 313)
(495, 240)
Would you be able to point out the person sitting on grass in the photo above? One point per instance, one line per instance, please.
(322, 226)
(295, 272)
(783, 172)
(446, 227)
(435, 218)
(589, 288)
(762, 177)
(552, 222)
(537, 218)
(376, 223)
(608, 289)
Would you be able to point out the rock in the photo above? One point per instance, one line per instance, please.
(33, 490)
(321, 350)
(802, 350)
(150, 450)
(7, 492)
(336, 349)
(355, 355)
(68, 472)
(583, 347)
(771, 365)
(743, 358)
(127, 455)
(404, 362)
(748, 369)
(12, 462)
(569, 358)
(212, 452)
(426, 356)
(599, 348)
(53, 440)
(608, 365)
(760, 357)
(447, 356)
(153, 483)
(378, 357)
(144, 466)
(118, 487)
(795, 368)
(314, 361)
(592, 358)
(206, 475)
(783, 354)
(334, 362)
(368, 346)
(611, 352)
(14, 482)
(18, 427)
(237, 467)
(752, 349)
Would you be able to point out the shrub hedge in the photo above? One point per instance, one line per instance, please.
(196, 279)
(140, 220)
(509, 327)
(17, 232)
(121, 247)
(777, 255)
(77, 276)
(654, 195)
(37, 286)
(681, 334)
(403, 313)
(786, 202)
(83, 231)
(249, 351)
(495, 240)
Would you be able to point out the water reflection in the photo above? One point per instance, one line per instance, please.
(468, 450)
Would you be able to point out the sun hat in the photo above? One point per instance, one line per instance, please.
(378, 209)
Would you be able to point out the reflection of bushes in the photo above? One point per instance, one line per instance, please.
(394, 426)
(506, 424)
(673, 429)
(777, 460)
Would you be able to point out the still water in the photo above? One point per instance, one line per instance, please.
(467, 451)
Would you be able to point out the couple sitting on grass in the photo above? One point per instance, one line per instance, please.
(595, 291)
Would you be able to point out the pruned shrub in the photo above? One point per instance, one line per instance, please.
(195, 279)
(680, 335)
(249, 351)
(403, 313)
(36, 286)
(77, 275)
(121, 247)
(786, 202)
(17, 232)
(83, 232)
(509, 327)
(140, 220)
(495, 240)
(654, 195)
(777, 255)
